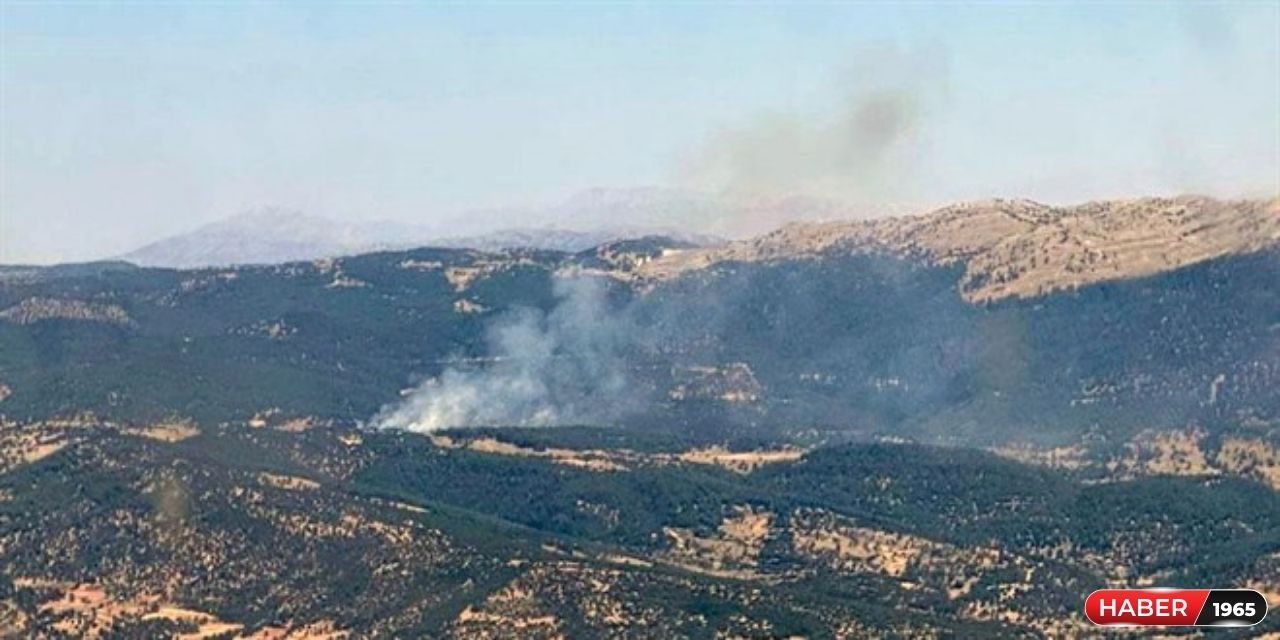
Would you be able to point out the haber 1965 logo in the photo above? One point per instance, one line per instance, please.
(1176, 607)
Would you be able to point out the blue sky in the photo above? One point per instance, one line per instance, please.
(121, 123)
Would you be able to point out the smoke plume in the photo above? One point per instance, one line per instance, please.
(562, 367)
(860, 151)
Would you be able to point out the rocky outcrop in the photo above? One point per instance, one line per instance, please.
(34, 310)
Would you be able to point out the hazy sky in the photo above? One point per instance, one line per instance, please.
(123, 123)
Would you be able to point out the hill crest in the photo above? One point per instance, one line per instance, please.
(1022, 248)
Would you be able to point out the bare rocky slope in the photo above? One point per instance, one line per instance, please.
(1021, 248)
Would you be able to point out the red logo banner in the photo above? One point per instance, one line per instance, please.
(1165, 607)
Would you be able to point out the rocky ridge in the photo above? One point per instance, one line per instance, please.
(1021, 248)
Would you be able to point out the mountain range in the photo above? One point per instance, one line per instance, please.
(585, 220)
(273, 237)
(954, 424)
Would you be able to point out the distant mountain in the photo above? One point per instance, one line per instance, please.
(274, 236)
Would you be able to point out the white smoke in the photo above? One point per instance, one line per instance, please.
(546, 369)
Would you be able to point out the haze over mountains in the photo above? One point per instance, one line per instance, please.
(588, 219)
(273, 237)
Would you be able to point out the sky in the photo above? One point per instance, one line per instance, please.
(121, 123)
